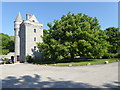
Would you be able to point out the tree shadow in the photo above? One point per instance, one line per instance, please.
(114, 85)
(36, 82)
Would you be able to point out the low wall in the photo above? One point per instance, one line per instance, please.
(8, 55)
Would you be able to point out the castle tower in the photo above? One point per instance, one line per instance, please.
(17, 23)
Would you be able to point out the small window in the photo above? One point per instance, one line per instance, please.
(34, 47)
(33, 20)
(34, 38)
(34, 30)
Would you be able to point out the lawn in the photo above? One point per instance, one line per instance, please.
(86, 61)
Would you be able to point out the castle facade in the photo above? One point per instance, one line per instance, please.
(27, 33)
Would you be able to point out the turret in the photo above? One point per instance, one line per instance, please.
(17, 23)
(19, 17)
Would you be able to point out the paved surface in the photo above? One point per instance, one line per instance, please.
(39, 76)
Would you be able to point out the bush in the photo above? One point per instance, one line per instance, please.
(36, 60)
(117, 55)
(6, 60)
(108, 55)
(29, 59)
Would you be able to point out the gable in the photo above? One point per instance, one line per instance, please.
(33, 19)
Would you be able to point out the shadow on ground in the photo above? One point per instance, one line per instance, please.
(114, 85)
(35, 82)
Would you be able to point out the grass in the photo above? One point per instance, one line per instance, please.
(85, 62)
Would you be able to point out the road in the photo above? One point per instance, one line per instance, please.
(21, 75)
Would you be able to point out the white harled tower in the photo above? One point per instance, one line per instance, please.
(27, 34)
(17, 23)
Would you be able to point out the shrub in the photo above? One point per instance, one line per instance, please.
(6, 60)
(108, 55)
(117, 55)
(29, 59)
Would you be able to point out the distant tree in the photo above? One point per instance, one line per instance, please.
(114, 39)
(7, 44)
(10, 46)
(74, 35)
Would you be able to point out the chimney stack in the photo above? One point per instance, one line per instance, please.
(28, 16)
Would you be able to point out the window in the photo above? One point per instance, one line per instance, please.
(33, 20)
(34, 47)
(34, 30)
(41, 27)
(34, 38)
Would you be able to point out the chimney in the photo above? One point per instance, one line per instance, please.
(28, 16)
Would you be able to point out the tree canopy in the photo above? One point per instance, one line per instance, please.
(6, 45)
(74, 35)
(114, 39)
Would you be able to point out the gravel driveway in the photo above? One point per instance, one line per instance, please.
(38, 76)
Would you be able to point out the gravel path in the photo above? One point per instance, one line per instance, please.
(39, 76)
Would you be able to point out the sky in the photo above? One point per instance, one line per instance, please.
(46, 12)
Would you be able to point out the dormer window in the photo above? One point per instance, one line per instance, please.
(34, 30)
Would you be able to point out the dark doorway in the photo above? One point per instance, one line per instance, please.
(18, 58)
(12, 58)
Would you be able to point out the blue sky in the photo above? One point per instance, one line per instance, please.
(106, 12)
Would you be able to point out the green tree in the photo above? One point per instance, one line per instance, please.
(74, 35)
(10, 46)
(114, 39)
(6, 45)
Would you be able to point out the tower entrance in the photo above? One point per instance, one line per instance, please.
(18, 58)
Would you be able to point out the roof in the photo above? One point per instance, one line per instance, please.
(19, 17)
